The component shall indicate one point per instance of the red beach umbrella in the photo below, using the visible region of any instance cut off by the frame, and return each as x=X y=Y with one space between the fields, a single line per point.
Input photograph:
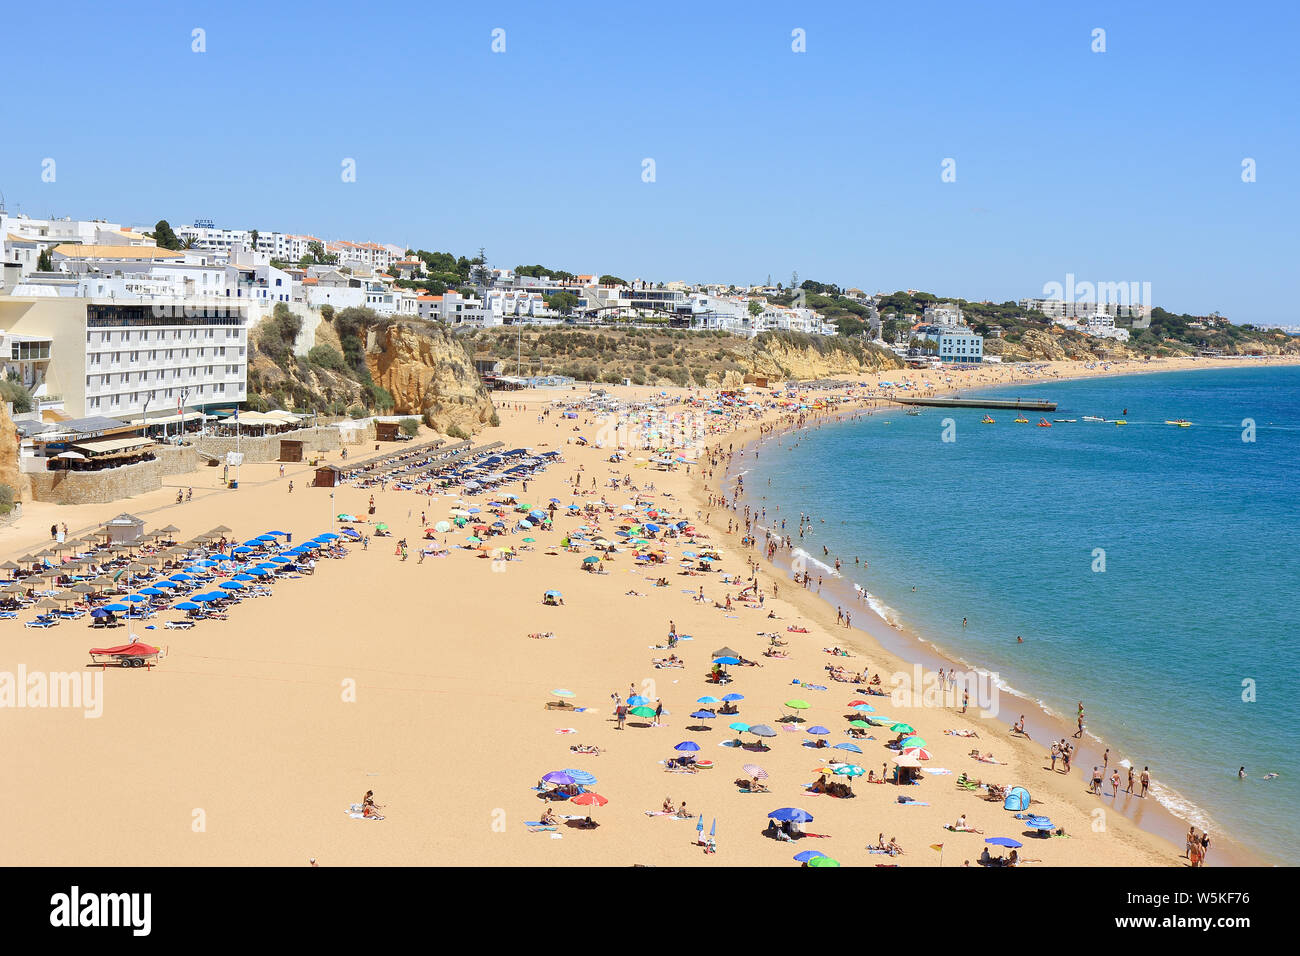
x=589 y=800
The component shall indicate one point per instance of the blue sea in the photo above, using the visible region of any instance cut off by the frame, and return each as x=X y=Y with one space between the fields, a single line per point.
x=1152 y=570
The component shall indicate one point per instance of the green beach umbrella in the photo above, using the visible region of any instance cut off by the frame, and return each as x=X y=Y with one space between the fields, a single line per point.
x=797 y=704
x=642 y=711
x=860 y=724
x=823 y=861
x=529 y=540
x=911 y=742
x=381 y=527
x=473 y=539
x=561 y=692
x=903 y=728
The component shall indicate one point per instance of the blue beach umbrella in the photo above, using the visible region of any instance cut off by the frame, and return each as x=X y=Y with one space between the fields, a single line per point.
x=807 y=855
x=637 y=701
x=704 y=715
x=581 y=777
x=189 y=606
x=245 y=577
x=852 y=748
x=707 y=700
x=791 y=815
x=231 y=585
x=732 y=698
x=135 y=598
x=117 y=608
x=687 y=745
x=558 y=777
x=726 y=660
x=1004 y=841
x=818 y=731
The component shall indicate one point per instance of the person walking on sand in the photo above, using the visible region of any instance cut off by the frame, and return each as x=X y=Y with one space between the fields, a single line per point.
x=1114 y=783
x=1096 y=780
x=620 y=714
x=1056 y=753
x=1145 y=780
x=1130 y=779
x=290 y=486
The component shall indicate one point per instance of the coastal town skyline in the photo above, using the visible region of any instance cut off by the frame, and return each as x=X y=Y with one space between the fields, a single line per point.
x=915 y=173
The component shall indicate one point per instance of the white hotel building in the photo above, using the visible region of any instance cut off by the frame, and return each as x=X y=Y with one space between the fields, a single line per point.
x=88 y=356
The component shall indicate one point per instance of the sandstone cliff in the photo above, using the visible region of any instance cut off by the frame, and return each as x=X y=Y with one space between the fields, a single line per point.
x=782 y=355
x=430 y=374
x=9 y=473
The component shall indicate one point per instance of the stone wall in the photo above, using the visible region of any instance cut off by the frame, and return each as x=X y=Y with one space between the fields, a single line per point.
x=99 y=487
x=267 y=447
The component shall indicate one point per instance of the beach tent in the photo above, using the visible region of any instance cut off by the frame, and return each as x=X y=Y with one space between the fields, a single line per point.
x=1017 y=799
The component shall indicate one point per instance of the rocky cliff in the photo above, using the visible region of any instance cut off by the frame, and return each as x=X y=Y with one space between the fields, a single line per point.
x=9 y=473
x=785 y=355
x=429 y=374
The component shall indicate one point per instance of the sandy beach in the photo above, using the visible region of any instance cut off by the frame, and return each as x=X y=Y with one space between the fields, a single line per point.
x=418 y=680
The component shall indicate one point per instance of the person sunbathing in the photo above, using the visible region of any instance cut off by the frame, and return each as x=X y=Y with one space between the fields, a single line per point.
x=549 y=818
x=668 y=805
x=585 y=749
x=819 y=785
x=683 y=813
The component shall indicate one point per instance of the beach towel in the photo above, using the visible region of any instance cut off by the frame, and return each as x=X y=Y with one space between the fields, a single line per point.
x=565 y=730
x=355 y=813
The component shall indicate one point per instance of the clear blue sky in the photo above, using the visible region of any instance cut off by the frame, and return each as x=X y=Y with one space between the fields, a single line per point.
x=1115 y=166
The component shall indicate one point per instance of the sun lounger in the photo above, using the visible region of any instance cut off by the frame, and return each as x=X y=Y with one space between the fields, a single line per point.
x=179 y=625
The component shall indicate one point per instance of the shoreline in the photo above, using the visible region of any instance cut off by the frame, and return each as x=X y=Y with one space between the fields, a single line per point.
x=445 y=674
x=914 y=648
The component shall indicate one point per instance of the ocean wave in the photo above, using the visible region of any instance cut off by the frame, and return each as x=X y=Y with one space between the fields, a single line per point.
x=800 y=553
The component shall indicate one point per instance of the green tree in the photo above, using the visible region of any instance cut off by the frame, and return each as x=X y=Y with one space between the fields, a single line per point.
x=43 y=262
x=612 y=280
x=755 y=308
x=562 y=302
x=163 y=235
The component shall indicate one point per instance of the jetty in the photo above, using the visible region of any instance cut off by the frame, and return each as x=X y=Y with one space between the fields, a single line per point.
x=1008 y=405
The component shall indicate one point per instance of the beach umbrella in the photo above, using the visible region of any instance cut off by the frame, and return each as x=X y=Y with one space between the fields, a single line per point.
x=687 y=746
x=581 y=777
x=903 y=728
x=797 y=704
x=561 y=692
x=642 y=711
x=755 y=771
x=231 y=585
x=864 y=708
x=732 y=698
x=807 y=856
x=153 y=591
x=591 y=560
x=181 y=577
x=244 y=577
x=912 y=741
x=1017 y=799
x=859 y=724
x=791 y=815
x=589 y=800
x=823 y=861
x=1040 y=824
x=117 y=608
x=704 y=715
x=529 y=540
x=442 y=527
x=726 y=660
x=189 y=606
x=762 y=730
x=920 y=753
x=1004 y=841
x=707 y=700
x=817 y=731
x=851 y=748
x=739 y=727
x=726 y=652
x=849 y=770
x=559 y=778
x=135 y=598
x=99 y=612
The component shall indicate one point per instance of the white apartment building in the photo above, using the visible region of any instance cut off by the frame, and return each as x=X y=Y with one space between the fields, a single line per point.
x=506 y=307
x=121 y=358
x=370 y=255
x=946 y=315
x=452 y=308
